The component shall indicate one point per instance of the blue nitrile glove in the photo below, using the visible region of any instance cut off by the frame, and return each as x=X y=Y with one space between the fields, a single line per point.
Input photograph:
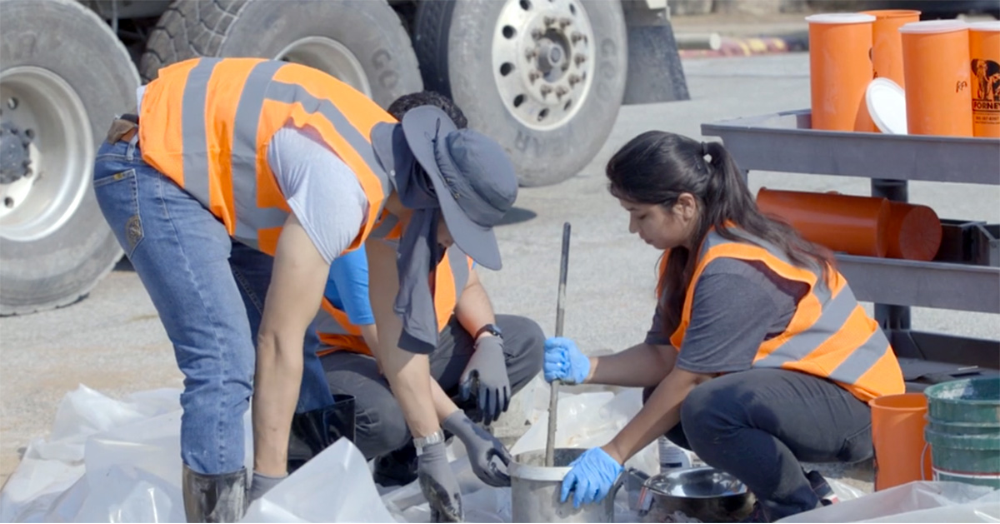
x=563 y=361
x=591 y=477
x=485 y=377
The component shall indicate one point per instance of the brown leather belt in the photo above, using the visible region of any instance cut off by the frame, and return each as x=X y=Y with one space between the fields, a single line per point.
x=122 y=130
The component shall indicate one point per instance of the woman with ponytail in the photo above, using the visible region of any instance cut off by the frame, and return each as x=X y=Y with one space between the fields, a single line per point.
x=759 y=355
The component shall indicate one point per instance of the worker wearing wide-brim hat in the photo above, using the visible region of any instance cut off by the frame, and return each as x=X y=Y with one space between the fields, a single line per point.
x=231 y=191
x=759 y=355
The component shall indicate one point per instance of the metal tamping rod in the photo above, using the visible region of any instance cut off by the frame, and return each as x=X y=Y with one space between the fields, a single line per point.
x=550 y=441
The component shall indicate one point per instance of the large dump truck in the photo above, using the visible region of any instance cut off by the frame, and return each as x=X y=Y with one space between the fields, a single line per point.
x=545 y=78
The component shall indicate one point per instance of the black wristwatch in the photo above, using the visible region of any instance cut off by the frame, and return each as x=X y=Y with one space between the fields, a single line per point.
x=492 y=329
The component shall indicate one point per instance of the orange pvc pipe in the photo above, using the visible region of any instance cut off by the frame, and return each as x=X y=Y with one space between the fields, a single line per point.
x=938 y=85
x=898 y=435
x=887 y=46
x=984 y=49
x=914 y=232
x=840 y=70
x=849 y=224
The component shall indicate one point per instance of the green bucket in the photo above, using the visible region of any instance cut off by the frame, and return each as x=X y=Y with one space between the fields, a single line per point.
x=963 y=430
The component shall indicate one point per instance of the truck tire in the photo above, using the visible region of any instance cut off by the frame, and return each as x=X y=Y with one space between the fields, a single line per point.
x=64 y=77
x=544 y=78
x=361 y=42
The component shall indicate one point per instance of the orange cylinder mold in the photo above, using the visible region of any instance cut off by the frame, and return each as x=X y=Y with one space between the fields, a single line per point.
x=840 y=69
x=850 y=224
x=938 y=86
x=913 y=231
x=901 y=454
x=984 y=51
x=887 y=46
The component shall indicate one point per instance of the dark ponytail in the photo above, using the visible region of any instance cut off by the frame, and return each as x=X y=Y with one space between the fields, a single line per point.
x=656 y=167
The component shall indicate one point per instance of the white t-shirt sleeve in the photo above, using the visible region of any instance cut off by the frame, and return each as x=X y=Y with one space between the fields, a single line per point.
x=321 y=189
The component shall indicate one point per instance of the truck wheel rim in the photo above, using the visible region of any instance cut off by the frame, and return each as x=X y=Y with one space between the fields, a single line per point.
x=331 y=57
x=44 y=105
x=543 y=60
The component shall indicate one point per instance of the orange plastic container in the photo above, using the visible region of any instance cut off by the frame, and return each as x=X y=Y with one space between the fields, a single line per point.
x=851 y=224
x=898 y=434
x=840 y=69
x=984 y=50
x=887 y=46
x=938 y=86
x=914 y=232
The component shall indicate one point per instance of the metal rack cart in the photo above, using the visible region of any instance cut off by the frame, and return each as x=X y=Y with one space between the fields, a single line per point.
x=964 y=276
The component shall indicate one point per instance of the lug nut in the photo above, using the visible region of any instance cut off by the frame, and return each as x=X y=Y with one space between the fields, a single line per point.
x=531 y=54
x=579 y=59
x=534 y=75
x=576 y=36
x=545 y=90
x=537 y=34
x=563 y=22
x=549 y=20
x=574 y=79
x=560 y=91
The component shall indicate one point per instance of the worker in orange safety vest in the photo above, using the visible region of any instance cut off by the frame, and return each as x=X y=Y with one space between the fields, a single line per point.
x=759 y=355
x=232 y=190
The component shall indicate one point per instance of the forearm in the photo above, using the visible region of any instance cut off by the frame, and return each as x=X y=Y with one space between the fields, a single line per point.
x=641 y=365
x=409 y=377
x=276 y=390
x=474 y=310
x=659 y=414
x=443 y=405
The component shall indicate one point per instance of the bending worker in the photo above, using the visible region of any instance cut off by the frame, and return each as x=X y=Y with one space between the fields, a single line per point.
x=244 y=179
x=759 y=354
x=481 y=360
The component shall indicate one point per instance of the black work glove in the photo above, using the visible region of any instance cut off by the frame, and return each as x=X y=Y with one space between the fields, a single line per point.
x=486 y=453
x=438 y=484
x=485 y=377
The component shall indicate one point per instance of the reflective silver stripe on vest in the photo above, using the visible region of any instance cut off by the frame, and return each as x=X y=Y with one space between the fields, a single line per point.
x=291 y=93
x=713 y=239
x=193 y=132
x=832 y=317
x=250 y=217
x=385 y=227
x=863 y=358
x=834 y=314
x=258 y=87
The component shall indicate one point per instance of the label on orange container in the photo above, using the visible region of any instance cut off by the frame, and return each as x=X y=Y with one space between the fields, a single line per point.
x=984 y=50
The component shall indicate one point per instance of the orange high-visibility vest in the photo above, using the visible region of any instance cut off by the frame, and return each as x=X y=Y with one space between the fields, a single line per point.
x=206 y=124
x=336 y=333
x=830 y=335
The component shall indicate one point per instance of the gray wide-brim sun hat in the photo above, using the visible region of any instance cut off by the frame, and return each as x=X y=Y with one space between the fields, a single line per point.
x=473 y=178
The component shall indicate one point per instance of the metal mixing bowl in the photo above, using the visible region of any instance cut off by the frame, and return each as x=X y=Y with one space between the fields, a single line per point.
x=704 y=493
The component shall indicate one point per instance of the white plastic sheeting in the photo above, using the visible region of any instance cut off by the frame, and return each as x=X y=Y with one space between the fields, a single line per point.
x=112 y=460
x=914 y=502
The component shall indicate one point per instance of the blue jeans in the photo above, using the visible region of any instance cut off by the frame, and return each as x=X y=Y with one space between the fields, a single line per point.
x=209 y=292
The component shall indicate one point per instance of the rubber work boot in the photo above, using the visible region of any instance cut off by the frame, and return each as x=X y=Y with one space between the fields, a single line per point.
x=396 y=468
x=314 y=431
x=214 y=498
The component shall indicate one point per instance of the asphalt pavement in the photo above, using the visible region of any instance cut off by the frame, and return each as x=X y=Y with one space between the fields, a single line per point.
x=113 y=342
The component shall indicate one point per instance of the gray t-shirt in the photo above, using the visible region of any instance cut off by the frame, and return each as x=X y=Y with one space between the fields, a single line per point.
x=321 y=189
x=737 y=305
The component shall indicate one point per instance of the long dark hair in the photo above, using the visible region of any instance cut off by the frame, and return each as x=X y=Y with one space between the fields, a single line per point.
x=656 y=167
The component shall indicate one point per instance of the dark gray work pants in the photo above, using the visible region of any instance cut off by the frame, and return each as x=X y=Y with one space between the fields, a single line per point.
x=380 y=424
x=758 y=424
